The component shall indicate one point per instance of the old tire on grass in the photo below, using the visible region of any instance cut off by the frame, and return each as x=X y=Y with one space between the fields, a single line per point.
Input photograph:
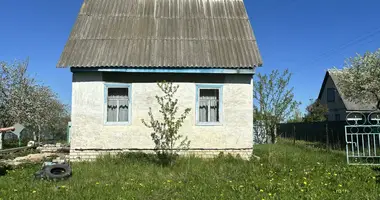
x=59 y=171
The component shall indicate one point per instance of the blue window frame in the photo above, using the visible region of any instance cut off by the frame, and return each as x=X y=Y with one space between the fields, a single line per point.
x=117 y=103
x=209 y=104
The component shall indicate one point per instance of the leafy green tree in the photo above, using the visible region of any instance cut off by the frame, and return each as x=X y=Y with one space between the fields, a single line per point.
x=165 y=131
x=24 y=100
x=316 y=112
x=274 y=100
x=359 y=80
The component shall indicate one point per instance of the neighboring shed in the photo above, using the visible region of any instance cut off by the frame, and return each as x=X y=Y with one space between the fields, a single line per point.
x=339 y=105
x=119 y=49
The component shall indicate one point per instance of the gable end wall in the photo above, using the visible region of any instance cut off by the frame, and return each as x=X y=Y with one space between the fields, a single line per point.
x=336 y=107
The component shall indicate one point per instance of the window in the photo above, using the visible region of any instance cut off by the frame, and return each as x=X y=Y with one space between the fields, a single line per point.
x=337 y=117
x=209 y=102
x=118 y=103
x=330 y=94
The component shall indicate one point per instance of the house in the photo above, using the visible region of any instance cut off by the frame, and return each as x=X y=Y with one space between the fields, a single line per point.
x=119 y=49
x=339 y=105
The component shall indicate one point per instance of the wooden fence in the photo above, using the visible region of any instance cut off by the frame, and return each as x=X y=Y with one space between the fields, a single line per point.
x=329 y=134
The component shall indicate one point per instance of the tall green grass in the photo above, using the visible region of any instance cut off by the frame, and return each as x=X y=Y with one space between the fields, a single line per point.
x=285 y=171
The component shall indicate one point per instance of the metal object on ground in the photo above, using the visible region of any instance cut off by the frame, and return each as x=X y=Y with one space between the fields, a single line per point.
x=362 y=134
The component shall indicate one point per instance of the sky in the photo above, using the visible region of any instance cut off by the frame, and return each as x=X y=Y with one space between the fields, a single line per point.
x=305 y=36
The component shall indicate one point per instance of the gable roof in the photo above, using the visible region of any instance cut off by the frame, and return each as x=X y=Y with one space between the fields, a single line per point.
x=162 y=33
x=350 y=105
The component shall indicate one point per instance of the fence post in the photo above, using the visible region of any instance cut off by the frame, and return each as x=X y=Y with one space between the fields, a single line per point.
x=333 y=142
x=306 y=134
x=327 y=135
x=1 y=140
x=286 y=135
x=294 y=134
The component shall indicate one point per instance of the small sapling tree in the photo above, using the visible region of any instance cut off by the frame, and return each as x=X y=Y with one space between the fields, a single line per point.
x=168 y=142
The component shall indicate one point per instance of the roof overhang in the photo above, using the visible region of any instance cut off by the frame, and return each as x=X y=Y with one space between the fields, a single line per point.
x=166 y=70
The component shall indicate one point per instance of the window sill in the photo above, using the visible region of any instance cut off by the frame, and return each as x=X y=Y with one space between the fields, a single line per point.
x=209 y=124
x=117 y=123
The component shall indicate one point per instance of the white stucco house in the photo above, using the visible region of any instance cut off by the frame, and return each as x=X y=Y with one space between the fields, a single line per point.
x=119 y=49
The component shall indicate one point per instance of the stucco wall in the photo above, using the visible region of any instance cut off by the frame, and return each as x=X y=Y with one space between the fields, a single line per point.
x=336 y=107
x=89 y=131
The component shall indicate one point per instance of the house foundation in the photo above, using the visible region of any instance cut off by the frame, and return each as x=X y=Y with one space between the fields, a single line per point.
x=92 y=154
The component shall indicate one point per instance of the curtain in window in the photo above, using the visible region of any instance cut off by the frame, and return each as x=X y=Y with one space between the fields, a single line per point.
x=203 y=110
x=123 y=110
x=112 y=110
x=209 y=105
x=214 y=109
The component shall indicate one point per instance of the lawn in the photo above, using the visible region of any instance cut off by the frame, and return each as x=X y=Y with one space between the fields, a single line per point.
x=285 y=171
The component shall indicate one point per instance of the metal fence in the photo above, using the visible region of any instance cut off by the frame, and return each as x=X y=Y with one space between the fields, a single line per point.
x=363 y=138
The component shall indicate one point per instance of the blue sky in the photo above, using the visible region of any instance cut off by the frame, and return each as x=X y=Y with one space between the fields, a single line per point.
x=305 y=36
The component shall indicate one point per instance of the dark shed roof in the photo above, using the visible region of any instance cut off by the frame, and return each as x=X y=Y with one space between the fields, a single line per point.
x=162 y=33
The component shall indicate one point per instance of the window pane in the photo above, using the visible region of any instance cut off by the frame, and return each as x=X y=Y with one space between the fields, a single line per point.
x=112 y=110
x=203 y=111
x=117 y=92
x=209 y=93
x=330 y=94
x=123 y=110
x=214 y=110
x=337 y=117
x=209 y=105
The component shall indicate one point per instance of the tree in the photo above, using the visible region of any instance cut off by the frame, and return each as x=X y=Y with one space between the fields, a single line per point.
x=14 y=85
x=165 y=131
x=24 y=100
x=316 y=112
x=296 y=117
x=47 y=115
x=359 y=80
x=275 y=101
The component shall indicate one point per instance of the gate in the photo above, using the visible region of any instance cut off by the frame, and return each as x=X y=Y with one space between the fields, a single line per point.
x=363 y=138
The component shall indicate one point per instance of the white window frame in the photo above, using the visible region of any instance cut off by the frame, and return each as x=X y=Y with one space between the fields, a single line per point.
x=117 y=85
x=197 y=97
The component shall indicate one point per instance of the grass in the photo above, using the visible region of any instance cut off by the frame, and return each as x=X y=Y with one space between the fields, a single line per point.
x=285 y=171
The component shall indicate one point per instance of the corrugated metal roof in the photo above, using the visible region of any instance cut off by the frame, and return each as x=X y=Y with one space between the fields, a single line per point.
x=162 y=33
